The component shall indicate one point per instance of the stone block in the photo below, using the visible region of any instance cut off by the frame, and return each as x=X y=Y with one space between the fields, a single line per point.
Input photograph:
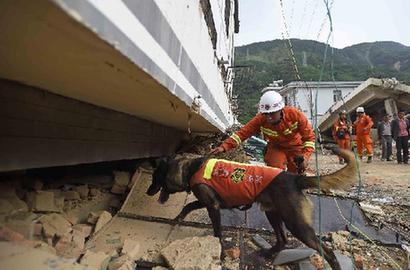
x=44 y=202
x=55 y=224
x=85 y=229
x=98 y=260
x=103 y=219
x=63 y=244
x=78 y=239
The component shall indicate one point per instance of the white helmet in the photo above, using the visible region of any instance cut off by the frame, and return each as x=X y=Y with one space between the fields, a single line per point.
x=271 y=101
x=360 y=109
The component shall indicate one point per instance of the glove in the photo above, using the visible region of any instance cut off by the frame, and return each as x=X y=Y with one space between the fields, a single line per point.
x=217 y=150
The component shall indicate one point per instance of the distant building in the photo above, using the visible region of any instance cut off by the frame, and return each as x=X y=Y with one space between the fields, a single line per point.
x=303 y=94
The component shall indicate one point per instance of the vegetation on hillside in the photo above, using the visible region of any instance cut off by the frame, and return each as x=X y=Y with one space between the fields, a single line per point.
x=270 y=60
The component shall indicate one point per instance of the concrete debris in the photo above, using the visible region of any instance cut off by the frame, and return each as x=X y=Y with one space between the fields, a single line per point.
x=84 y=229
x=78 y=239
x=93 y=217
x=55 y=224
x=121 y=180
x=7 y=234
x=338 y=241
x=193 y=253
x=121 y=263
x=5 y=207
x=22 y=222
x=231 y=264
x=98 y=260
x=372 y=209
x=130 y=248
x=43 y=201
x=83 y=191
x=317 y=261
x=103 y=219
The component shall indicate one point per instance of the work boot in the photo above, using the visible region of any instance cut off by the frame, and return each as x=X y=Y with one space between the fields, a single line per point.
x=369 y=159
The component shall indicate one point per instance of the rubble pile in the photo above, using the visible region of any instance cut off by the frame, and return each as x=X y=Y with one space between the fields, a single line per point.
x=60 y=216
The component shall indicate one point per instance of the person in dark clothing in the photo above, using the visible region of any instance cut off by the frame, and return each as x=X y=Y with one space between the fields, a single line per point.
x=384 y=131
x=400 y=132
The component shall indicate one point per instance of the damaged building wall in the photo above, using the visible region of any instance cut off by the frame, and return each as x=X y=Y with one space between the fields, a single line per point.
x=41 y=129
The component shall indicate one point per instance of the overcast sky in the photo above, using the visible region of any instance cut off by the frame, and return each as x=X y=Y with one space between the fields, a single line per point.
x=354 y=21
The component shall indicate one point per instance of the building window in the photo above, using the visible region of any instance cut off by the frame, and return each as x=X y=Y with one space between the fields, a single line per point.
x=337 y=95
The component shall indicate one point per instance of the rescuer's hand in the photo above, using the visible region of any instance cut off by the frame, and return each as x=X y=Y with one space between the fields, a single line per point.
x=217 y=150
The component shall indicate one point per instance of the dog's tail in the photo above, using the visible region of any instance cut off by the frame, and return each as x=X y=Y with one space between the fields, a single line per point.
x=340 y=179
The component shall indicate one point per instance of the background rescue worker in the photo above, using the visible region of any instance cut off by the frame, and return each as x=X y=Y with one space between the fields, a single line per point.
x=341 y=132
x=401 y=132
x=362 y=126
x=290 y=136
x=384 y=131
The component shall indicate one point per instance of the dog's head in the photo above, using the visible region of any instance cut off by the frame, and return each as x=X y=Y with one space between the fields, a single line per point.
x=171 y=175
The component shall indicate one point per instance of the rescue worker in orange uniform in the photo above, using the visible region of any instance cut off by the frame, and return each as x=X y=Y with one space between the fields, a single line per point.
x=290 y=137
x=341 y=132
x=362 y=126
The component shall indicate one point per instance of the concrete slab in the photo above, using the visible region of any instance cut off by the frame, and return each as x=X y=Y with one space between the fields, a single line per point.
x=153 y=236
x=138 y=203
x=293 y=255
x=17 y=257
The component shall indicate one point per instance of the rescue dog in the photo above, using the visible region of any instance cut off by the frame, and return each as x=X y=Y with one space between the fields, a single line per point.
x=281 y=198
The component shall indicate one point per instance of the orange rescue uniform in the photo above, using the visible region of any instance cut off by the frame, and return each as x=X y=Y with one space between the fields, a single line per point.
x=236 y=183
x=292 y=137
x=341 y=126
x=363 y=125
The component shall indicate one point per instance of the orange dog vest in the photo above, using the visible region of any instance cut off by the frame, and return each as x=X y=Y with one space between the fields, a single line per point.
x=236 y=183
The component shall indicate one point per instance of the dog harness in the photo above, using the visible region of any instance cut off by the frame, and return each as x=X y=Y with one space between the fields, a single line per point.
x=236 y=183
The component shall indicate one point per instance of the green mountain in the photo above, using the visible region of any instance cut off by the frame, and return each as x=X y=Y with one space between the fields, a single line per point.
x=270 y=60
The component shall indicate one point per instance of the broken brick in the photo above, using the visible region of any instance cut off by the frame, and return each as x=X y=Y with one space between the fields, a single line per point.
x=234 y=252
x=98 y=260
x=358 y=261
x=55 y=224
x=63 y=244
x=85 y=229
x=93 y=217
x=43 y=201
x=103 y=219
x=7 y=234
x=78 y=239
x=130 y=248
